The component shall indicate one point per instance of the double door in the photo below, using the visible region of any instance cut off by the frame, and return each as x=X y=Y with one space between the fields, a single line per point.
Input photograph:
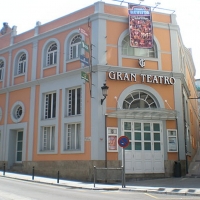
x=144 y=153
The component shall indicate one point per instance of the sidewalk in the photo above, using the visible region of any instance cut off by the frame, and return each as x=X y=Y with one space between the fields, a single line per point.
x=180 y=186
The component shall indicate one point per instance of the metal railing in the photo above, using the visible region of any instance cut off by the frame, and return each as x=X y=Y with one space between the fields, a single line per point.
x=109 y=174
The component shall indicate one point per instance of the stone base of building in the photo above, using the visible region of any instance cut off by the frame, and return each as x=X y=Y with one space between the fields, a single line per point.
x=83 y=170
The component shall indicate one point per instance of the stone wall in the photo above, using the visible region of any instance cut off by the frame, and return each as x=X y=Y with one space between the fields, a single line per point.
x=83 y=170
x=71 y=170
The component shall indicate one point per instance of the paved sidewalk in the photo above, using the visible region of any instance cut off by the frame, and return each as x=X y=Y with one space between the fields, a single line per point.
x=179 y=186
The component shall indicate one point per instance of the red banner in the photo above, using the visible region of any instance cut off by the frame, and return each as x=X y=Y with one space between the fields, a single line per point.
x=140 y=26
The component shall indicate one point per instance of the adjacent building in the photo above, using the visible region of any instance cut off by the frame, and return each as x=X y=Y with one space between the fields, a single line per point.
x=53 y=116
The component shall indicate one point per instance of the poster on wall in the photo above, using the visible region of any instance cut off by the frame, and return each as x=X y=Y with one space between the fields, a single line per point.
x=172 y=144
x=140 y=26
x=172 y=140
x=112 y=139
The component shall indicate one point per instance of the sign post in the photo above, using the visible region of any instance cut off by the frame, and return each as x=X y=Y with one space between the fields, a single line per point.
x=123 y=142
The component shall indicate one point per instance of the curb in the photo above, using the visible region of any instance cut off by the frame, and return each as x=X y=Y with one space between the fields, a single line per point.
x=157 y=191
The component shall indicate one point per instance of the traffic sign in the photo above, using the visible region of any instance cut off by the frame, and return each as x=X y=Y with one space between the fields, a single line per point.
x=85 y=46
x=84 y=60
x=84 y=76
x=84 y=32
x=123 y=141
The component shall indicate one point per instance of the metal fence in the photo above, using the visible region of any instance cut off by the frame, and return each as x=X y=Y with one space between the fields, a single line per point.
x=109 y=174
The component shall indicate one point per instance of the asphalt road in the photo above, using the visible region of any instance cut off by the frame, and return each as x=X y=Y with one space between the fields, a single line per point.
x=25 y=190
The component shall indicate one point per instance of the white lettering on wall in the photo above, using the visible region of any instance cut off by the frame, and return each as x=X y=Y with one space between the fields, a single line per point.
x=133 y=76
x=119 y=75
x=111 y=75
x=126 y=77
x=145 y=78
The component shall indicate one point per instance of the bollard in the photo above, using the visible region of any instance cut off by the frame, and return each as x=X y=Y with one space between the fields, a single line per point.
x=58 y=177
x=94 y=175
x=33 y=174
x=4 y=169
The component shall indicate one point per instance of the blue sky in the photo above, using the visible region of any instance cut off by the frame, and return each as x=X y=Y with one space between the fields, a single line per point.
x=25 y=13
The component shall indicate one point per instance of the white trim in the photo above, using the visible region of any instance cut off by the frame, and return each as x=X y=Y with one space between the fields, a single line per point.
x=13 y=109
x=114 y=146
x=67 y=47
x=174 y=139
x=120 y=56
x=44 y=56
x=15 y=65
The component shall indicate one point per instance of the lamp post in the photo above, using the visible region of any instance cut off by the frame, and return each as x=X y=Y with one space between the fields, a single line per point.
x=104 y=89
x=104 y=92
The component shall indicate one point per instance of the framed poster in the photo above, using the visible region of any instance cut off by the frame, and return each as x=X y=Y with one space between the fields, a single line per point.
x=112 y=139
x=172 y=140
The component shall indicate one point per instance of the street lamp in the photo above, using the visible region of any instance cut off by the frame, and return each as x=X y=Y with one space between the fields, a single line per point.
x=104 y=92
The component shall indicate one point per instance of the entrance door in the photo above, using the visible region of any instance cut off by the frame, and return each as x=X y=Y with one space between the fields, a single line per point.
x=19 y=145
x=145 y=151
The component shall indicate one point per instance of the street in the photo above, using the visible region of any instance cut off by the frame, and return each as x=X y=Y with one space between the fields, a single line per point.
x=26 y=190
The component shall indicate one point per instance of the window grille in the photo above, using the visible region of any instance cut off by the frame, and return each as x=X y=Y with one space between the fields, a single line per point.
x=50 y=105
x=52 y=55
x=22 y=64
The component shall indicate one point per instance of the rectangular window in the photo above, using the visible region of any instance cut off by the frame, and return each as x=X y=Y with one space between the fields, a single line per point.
x=73 y=136
x=51 y=58
x=21 y=67
x=172 y=140
x=48 y=138
x=50 y=105
x=75 y=51
x=1 y=73
x=74 y=101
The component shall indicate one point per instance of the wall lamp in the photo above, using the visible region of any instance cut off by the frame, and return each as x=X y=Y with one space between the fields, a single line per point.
x=104 y=92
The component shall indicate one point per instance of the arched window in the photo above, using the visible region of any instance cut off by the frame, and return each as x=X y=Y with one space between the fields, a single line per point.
x=52 y=54
x=139 y=99
x=75 y=47
x=21 y=64
x=127 y=50
x=1 y=69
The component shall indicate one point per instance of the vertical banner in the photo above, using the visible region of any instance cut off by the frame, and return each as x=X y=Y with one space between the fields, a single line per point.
x=140 y=26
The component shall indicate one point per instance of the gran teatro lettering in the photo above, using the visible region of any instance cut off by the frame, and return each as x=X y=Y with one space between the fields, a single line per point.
x=145 y=78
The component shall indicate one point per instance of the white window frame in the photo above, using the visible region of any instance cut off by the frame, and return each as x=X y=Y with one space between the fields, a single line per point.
x=75 y=46
x=52 y=53
x=73 y=104
x=112 y=139
x=172 y=141
x=46 y=106
x=72 y=141
x=144 y=100
x=17 y=111
x=21 y=65
x=1 y=69
x=48 y=132
x=138 y=52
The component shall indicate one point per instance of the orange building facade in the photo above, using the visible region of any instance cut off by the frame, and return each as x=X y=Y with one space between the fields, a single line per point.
x=53 y=120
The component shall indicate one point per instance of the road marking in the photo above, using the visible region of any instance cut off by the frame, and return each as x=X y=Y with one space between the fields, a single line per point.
x=10 y=196
x=151 y=196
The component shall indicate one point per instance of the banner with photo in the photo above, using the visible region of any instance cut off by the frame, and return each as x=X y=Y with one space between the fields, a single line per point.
x=140 y=26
